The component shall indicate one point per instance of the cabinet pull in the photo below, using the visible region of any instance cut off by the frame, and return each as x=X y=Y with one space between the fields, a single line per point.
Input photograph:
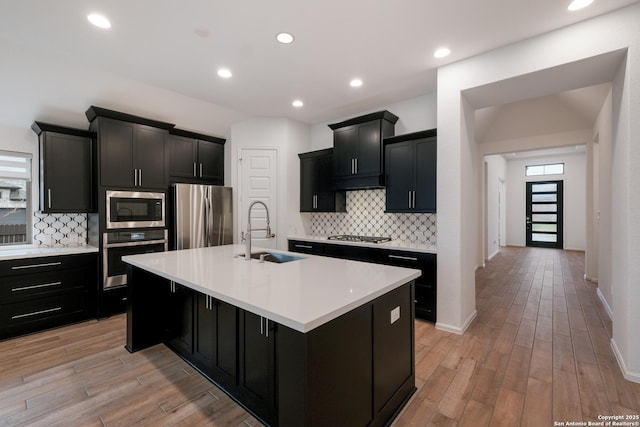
x=407 y=258
x=44 y=285
x=414 y=199
x=35 y=313
x=356 y=162
x=135 y=177
x=140 y=177
x=409 y=195
x=49 y=197
x=200 y=170
x=195 y=175
x=46 y=264
x=261 y=325
x=266 y=326
x=303 y=246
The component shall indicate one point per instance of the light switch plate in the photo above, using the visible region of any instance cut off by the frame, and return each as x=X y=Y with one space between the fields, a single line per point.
x=395 y=314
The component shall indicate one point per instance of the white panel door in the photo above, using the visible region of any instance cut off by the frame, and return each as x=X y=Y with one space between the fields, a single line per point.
x=258 y=181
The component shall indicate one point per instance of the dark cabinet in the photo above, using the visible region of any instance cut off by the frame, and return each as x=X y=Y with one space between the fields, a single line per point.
x=131 y=149
x=179 y=319
x=316 y=183
x=214 y=338
x=257 y=379
x=196 y=158
x=410 y=172
x=306 y=247
x=66 y=168
x=41 y=293
x=358 y=150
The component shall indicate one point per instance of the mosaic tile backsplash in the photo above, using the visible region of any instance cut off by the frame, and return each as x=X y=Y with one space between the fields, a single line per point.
x=365 y=216
x=59 y=229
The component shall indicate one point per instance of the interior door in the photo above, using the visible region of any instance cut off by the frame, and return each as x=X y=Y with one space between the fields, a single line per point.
x=544 y=226
x=259 y=182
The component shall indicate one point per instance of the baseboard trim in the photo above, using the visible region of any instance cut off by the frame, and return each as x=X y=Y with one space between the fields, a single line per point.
x=604 y=302
x=493 y=254
x=455 y=329
x=628 y=375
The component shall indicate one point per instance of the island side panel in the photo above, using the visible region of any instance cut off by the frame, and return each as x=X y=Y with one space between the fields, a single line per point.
x=146 y=303
x=337 y=373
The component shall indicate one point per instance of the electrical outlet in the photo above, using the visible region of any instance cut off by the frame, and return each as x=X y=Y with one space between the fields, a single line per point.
x=395 y=315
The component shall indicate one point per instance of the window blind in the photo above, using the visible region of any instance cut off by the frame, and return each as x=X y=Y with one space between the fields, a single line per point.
x=15 y=165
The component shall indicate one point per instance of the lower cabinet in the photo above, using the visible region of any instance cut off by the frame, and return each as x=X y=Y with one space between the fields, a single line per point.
x=180 y=316
x=42 y=293
x=257 y=376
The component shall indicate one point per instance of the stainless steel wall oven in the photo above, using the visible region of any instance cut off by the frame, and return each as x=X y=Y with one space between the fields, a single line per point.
x=116 y=244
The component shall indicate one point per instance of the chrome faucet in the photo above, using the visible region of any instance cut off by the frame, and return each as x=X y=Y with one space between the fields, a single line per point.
x=247 y=235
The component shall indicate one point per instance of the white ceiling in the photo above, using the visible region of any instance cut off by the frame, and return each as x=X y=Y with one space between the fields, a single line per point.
x=179 y=45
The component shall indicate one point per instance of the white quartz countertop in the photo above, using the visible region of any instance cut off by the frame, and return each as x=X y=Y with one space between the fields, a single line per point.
x=301 y=294
x=394 y=244
x=37 y=251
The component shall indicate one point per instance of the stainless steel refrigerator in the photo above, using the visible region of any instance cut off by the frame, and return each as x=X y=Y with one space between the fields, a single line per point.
x=202 y=216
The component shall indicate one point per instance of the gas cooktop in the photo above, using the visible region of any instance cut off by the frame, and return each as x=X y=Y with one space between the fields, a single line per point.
x=365 y=239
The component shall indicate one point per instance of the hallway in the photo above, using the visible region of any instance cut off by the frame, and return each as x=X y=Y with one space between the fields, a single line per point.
x=538 y=352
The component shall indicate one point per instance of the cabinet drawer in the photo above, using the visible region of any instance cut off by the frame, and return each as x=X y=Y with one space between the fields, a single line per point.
x=26 y=286
x=42 y=313
x=306 y=247
x=42 y=264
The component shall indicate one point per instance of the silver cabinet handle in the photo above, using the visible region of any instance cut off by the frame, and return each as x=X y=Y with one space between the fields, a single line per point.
x=266 y=326
x=413 y=199
x=200 y=170
x=261 y=325
x=194 y=170
x=44 y=285
x=140 y=177
x=407 y=258
x=135 y=177
x=409 y=195
x=303 y=246
x=46 y=264
x=356 y=162
x=35 y=313
x=49 y=197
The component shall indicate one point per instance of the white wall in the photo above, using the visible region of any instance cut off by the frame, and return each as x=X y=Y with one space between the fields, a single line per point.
x=574 y=178
x=287 y=137
x=572 y=57
x=496 y=172
x=415 y=114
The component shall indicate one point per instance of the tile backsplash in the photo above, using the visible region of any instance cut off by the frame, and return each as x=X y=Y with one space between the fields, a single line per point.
x=365 y=216
x=59 y=229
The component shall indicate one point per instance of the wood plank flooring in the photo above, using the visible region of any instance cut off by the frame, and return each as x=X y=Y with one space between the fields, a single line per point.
x=538 y=352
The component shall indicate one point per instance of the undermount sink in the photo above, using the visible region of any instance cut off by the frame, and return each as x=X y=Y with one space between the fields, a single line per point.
x=274 y=257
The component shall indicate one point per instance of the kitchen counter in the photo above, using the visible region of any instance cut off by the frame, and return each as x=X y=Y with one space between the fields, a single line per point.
x=23 y=252
x=301 y=294
x=314 y=342
x=394 y=244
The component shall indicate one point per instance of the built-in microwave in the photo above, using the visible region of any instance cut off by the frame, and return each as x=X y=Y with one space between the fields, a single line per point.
x=135 y=209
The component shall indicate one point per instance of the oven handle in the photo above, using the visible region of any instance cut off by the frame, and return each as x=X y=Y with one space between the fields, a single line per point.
x=138 y=243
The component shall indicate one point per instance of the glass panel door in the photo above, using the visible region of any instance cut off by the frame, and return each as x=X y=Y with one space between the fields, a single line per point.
x=544 y=214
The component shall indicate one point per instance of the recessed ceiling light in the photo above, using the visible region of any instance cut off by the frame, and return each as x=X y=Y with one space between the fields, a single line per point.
x=579 y=4
x=225 y=73
x=99 y=20
x=442 y=52
x=284 y=38
x=355 y=83
x=297 y=103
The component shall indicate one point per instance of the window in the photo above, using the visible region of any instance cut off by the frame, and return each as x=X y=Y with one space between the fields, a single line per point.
x=549 y=169
x=15 y=198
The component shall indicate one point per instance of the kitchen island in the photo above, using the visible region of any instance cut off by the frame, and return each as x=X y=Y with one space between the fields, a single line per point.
x=311 y=342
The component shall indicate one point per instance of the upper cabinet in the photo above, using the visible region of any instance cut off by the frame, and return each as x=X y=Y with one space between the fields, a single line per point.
x=66 y=168
x=410 y=169
x=316 y=186
x=131 y=149
x=358 y=150
x=195 y=158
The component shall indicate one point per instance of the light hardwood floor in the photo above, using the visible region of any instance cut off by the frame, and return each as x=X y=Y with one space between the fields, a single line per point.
x=538 y=352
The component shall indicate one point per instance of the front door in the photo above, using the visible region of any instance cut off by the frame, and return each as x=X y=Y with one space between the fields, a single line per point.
x=544 y=214
x=259 y=182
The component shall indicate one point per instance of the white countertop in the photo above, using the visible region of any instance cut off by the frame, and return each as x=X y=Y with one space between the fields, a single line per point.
x=23 y=252
x=302 y=294
x=394 y=244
